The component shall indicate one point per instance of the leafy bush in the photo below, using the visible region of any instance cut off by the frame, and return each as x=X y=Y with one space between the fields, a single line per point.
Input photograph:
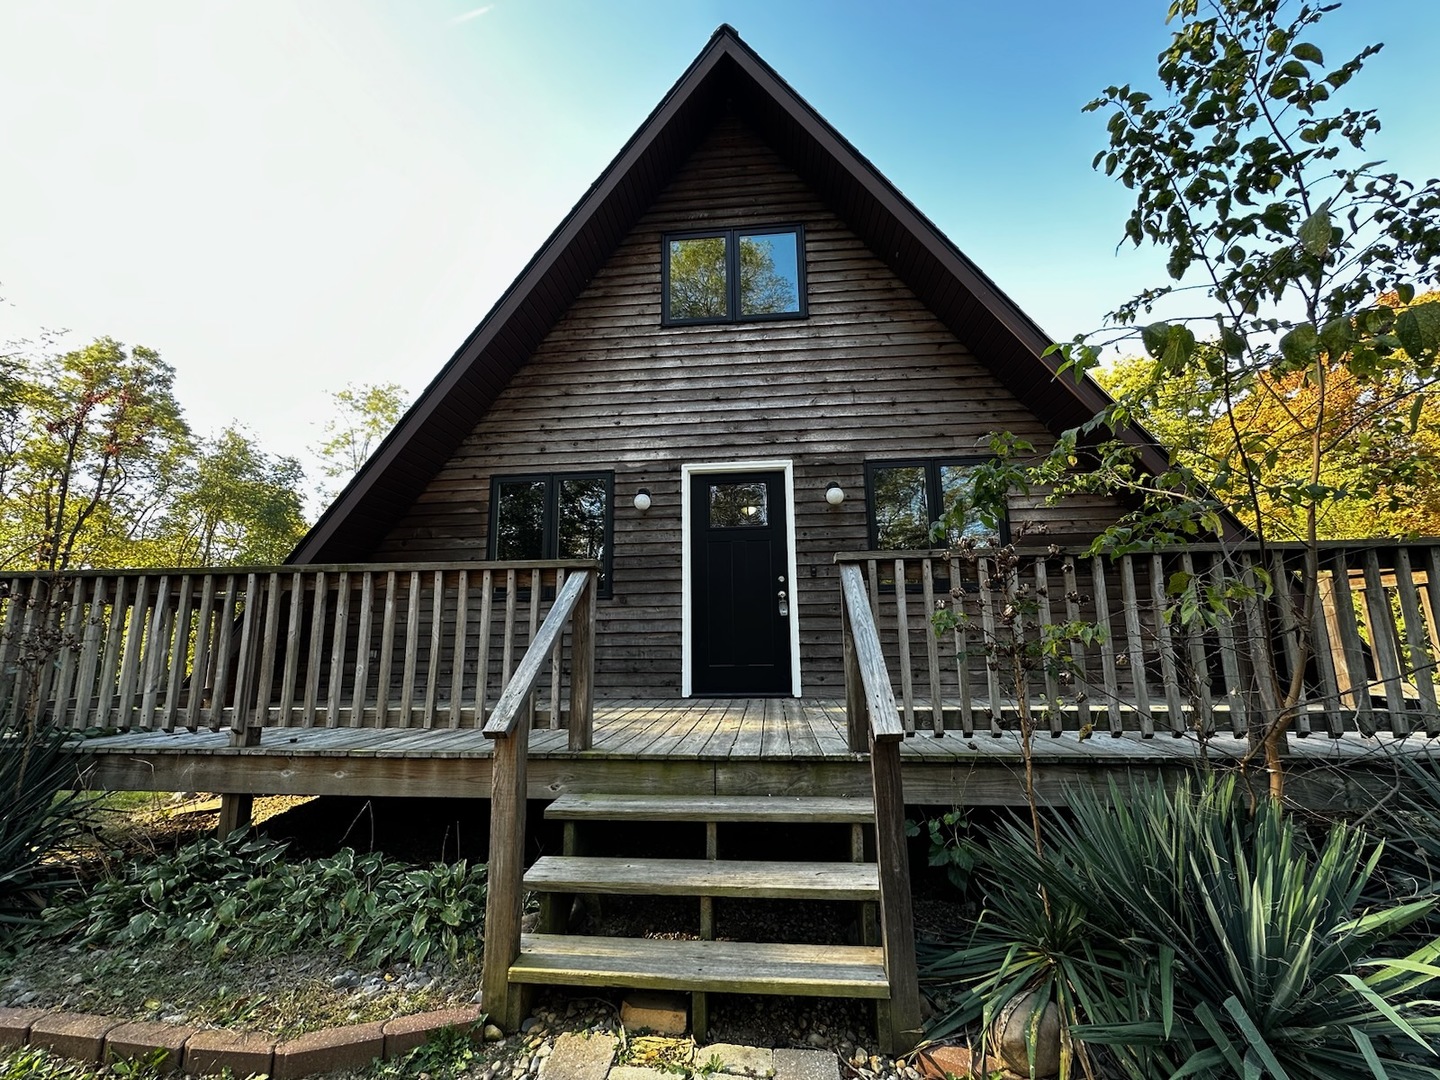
x=1183 y=936
x=949 y=844
x=241 y=896
x=42 y=814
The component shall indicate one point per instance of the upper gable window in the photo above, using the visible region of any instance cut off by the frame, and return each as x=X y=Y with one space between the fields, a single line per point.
x=733 y=275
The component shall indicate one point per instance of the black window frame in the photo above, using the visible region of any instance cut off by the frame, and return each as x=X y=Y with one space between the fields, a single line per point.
x=732 y=275
x=934 y=493
x=550 y=519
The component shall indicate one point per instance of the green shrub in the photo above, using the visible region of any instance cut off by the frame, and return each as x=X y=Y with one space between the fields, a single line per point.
x=241 y=896
x=1182 y=935
x=42 y=814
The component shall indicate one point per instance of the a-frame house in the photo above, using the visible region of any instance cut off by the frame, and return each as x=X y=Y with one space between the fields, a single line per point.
x=656 y=544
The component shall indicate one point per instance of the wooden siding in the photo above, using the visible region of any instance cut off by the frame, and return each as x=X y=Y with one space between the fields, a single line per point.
x=871 y=374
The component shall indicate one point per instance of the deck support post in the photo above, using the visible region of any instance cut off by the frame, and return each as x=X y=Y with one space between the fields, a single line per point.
x=504 y=896
x=235 y=811
x=898 y=1019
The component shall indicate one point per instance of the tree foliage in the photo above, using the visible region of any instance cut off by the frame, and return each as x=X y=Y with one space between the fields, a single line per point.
x=364 y=414
x=98 y=467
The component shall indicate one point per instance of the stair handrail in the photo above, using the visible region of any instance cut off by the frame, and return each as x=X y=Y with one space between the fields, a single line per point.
x=509 y=727
x=873 y=719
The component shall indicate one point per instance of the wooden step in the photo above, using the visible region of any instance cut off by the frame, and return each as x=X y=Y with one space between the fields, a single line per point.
x=705 y=877
x=726 y=967
x=766 y=808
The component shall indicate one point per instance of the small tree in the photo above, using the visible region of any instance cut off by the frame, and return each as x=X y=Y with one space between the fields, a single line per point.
x=1282 y=241
x=365 y=414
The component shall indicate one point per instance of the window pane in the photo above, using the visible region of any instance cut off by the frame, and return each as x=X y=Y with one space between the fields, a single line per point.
x=697 y=278
x=520 y=519
x=738 y=506
x=769 y=273
x=958 y=490
x=582 y=518
x=902 y=521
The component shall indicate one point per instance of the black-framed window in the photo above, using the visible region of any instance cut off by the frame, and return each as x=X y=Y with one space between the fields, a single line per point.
x=554 y=516
x=907 y=499
x=733 y=275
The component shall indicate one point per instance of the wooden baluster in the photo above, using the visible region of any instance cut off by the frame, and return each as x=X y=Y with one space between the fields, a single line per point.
x=482 y=649
x=1052 y=683
x=457 y=653
x=363 y=636
x=582 y=666
x=932 y=648
x=857 y=715
x=989 y=643
x=130 y=663
x=1230 y=659
x=1204 y=724
x=507 y=654
x=412 y=633
x=872 y=567
x=1169 y=670
x=245 y=690
x=1284 y=593
x=556 y=662
x=1422 y=668
x=387 y=649
x=962 y=658
x=71 y=634
x=108 y=683
x=179 y=651
x=269 y=640
x=534 y=624
x=201 y=684
x=292 y=650
x=10 y=635
x=437 y=642
x=1383 y=644
x=90 y=654
x=902 y=631
x=336 y=684
x=1077 y=648
x=1259 y=649
x=314 y=661
x=1341 y=611
x=1327 y=649
x=157 y=646
x=1108 y=673
x=1135 y=646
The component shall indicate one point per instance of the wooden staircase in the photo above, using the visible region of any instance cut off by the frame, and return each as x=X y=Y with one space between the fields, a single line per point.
x=703 y=966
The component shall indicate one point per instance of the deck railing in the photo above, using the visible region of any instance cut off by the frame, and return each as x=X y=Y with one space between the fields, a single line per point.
x=401 y=645
x=874 y=726
x=1367 y=663
x=509 y=727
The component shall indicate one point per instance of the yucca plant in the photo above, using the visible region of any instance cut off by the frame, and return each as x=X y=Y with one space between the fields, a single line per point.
x=1190 y=937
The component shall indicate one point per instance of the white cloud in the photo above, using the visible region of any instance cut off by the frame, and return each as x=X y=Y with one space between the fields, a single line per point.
x=467 y=16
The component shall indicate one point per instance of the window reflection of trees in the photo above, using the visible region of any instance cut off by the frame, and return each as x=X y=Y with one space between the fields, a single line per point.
x=738 y=506
x=699 y=276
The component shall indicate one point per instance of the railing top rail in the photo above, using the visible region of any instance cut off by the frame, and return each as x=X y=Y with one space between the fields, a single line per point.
x=879 y=694
x=568 y=565
x=1248 y=547
x=507 y=710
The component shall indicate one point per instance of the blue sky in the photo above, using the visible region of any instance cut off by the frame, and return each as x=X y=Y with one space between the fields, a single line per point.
x=284 y=197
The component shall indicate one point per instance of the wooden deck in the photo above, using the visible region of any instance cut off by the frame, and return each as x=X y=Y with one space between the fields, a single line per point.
x=755 y=746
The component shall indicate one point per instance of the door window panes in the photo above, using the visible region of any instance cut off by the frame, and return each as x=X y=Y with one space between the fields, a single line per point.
x=738 y=506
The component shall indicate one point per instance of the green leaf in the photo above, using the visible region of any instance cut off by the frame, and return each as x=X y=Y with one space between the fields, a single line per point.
x=1406 y=292
x=1408 y=330
x=1298 y=346
x=1155 y=337
x=1315 y=232
x=1336 y=336
x=1308 y=52
x=1232 y=342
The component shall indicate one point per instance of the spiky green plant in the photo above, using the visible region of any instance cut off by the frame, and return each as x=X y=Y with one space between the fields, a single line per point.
x=1186 y=936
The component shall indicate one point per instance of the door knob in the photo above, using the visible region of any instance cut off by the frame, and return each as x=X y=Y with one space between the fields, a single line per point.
x=784 y=605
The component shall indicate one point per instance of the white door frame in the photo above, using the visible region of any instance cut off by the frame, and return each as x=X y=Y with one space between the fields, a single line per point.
x=687 y=605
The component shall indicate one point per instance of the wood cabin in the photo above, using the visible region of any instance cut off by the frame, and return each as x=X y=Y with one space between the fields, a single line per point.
x=655 y=544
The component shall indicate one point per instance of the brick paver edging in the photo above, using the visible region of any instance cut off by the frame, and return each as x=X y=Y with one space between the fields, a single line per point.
x=100 y=1039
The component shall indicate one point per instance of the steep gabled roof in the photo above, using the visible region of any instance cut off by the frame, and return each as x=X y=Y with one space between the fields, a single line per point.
x=727 y=75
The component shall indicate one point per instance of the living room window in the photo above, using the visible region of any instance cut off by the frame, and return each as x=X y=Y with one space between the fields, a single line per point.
x=553 y=516
x=734 y=275
x=907 y=499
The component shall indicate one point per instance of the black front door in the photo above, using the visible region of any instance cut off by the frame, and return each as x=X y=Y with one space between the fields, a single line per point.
x=741 y=593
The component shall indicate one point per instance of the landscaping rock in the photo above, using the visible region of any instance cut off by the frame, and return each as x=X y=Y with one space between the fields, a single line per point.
x=74 y=1035
x=806 y=1065
x=15 y=1026
x=405 y=1033
x=580 y=1057
x=1011 y=1036
x=143 y=1037
x=242 y=1052
x=665 y=1014
x=737 y=1060
x=351 y=1047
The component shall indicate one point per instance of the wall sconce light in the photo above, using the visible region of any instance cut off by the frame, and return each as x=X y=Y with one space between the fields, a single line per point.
x=642 y=500
x=834 y=494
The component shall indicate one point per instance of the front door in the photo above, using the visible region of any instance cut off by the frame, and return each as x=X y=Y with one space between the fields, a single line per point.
x=740 y=592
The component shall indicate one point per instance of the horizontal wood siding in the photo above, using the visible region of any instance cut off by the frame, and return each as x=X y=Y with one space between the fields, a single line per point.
x=870 y=374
